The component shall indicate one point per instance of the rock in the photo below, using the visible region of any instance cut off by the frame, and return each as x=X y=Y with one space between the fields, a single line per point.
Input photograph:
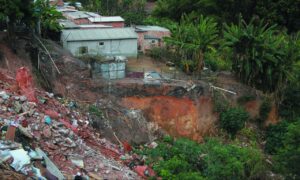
x=47 y=120
x=23 y=98
x=51 y=113
x=4 y=95
x=47 y=132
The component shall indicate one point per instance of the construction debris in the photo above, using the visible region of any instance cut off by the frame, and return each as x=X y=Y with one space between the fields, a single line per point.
x=55 y=138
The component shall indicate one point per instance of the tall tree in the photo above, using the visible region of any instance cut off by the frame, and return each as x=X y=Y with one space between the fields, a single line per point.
x=133 y=11
x=47 y=15
x=285 y=13
x=16 y=11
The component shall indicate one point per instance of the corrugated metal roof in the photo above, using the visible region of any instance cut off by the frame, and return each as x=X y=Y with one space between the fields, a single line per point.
x=151 y=28
x=65 y=10
x=67 y=24
x=94 y=26
x=98 y=34
x=77 y=15
x=107 y=19
x=91 y=14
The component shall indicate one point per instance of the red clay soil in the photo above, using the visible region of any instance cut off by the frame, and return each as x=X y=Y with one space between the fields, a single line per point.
x=252 y=107
x=272 y=117
x=11 y=61
x=180 y=117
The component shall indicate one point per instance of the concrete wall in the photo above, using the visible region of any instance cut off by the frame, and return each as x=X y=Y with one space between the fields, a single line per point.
x=110 y=70
x=122 y=47
x=145 y=43
x=150 y=43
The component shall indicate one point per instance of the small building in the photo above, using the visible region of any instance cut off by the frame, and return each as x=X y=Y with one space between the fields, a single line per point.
x=67 y=24
x=58 y=3
x=151 y=36
x=102 y=42
x=78 y=17
x=93 y=26
x=66 y=9
x=110 y=68
x=114 y=21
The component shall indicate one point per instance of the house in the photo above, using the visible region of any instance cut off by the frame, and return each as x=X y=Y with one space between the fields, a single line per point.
x=93 y=26
x=110 y=68
x=78 y=17
x=151 y=36
x=67 y=24
x=82 y=17
x=104 y=41
x=59 y=3
x=114 y=21
x=66 y=9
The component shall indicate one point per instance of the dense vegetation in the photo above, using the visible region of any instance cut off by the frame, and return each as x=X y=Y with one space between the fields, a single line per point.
x=233 y=120
x=185 y=159
x=37 y=15
x=282 y=12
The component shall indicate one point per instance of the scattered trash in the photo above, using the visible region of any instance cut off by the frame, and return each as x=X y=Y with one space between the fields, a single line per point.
x=78 y=162
x=57 y=140
x=10 y=134
x=153 y=145
x=144 y=171
x=47 y=120
x=127 y=147
x=4 y=95
x=20 y=159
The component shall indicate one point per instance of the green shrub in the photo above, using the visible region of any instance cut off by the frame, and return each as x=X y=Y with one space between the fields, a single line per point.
x=290 y=106
x=288 y=157
x=275 y=136
x=265 y=109
x=233 y=120
x=95 y=111
x=229 y=161
x=221 y=104
x=170 y=168
x=1 y=55
x=244 y=99
x=249 y=134
x=215 y=61
x=185 y=159
x=159 y=53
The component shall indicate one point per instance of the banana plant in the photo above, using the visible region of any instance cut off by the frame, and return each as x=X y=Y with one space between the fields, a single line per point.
x=193 y=37
x=263 y=57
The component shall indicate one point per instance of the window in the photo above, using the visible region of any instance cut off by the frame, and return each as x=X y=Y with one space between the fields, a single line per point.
x=83 y=50
x=101 y=43
x=153 y=41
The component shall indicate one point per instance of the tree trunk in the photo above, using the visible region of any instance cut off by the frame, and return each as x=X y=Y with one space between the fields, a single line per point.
x=11 y=35
x=200 y=61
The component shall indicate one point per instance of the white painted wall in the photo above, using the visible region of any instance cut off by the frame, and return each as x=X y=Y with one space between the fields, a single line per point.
x=122 y=47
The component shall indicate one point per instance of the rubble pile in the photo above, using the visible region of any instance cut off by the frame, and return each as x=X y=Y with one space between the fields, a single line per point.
x=48 y=138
